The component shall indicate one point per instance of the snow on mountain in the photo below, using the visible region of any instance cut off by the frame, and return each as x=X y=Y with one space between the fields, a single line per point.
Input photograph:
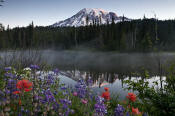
x=89 y=16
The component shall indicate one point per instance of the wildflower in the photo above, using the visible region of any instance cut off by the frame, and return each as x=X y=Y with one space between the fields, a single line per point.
x=56 y=71
x=106 y=88
x=50 y=79
x=127 y=114
x=34 y=67
x=63 y=87
x=119 y=110
x=7 y=69
x=75 y=94
x=100 y=107
x=65 y=106
x=55 y=106
x=135 y=111
x=23 y=85
x=84 y=101
x=10 y=75
x=16 y=92
x=27 y=69
x=106 y=94
x=65 y=101
x=89 y=82
x=81 y=88
x=49 y=96
x=27 y=90
x=131 y=97
x=11 y=85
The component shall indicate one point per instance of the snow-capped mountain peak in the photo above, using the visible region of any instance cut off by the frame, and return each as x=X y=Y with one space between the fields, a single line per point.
x=90 y=16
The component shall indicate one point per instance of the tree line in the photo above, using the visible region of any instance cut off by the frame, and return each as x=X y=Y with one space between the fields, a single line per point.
x=142 y=35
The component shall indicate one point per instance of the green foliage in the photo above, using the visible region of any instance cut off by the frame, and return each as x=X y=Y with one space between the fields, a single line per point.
x=157 y=100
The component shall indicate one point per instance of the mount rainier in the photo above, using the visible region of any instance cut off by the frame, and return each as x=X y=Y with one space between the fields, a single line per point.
x=89 y=16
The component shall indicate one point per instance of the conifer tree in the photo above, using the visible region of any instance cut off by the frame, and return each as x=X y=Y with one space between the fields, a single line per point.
x=87 y=20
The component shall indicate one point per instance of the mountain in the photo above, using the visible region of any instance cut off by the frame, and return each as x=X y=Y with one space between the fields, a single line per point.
x=88 y=16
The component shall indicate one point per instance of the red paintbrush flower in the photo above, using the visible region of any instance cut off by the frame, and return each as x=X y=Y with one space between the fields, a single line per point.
x=106 y=94
x=27 y=90
x=16 y=92
x=131 y=97
x=23 y=85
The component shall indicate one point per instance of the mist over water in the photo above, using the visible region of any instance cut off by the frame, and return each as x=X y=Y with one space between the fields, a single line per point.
x=121 y=63
x=102 y=62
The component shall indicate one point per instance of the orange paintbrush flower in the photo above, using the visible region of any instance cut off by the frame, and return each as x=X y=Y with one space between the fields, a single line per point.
x=135 y=111
x=106 y=94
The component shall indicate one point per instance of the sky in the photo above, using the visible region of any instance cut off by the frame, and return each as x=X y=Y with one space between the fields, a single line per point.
x=46 y=12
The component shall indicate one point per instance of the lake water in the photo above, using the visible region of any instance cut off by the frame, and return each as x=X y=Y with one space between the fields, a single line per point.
x=112 y=81
x=106 y=69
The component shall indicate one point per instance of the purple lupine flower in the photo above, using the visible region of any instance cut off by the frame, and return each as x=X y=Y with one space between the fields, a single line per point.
x=65 y=106
x=7 y=69
x=56 y=71
x=10 y=75
x=7 y=91
x=50 y=79
x=63 y=87
x=127 y=114
x=20 y=114
x=89 y=82
x=65 y=93
x=119 y=110
x=11 y=86
x=81 y=88
x=100 y=99
x=56 y=106
x=49 y=97
x=65 y=103
x=100 y=107
x=34 y=66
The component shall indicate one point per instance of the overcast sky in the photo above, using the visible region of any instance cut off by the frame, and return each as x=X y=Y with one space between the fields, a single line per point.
x=47 y=12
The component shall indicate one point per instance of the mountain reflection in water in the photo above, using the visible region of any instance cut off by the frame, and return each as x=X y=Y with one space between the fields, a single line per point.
x=100 y=80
